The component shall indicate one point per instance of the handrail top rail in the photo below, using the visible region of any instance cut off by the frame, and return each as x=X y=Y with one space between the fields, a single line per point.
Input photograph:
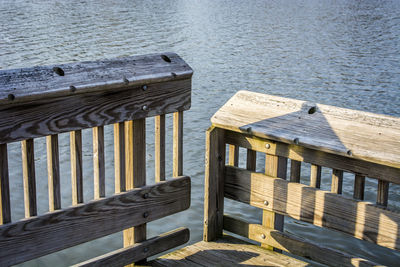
x=27 y=84
x=351 y=133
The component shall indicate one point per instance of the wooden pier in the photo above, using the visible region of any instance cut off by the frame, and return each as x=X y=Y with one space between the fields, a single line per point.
x=286 y=133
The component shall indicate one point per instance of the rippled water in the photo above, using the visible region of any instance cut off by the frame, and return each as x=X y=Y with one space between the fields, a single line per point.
x=343 y=53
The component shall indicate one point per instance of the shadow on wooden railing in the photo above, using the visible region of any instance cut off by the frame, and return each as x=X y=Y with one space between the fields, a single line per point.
x=46 y=101
x=361 y=143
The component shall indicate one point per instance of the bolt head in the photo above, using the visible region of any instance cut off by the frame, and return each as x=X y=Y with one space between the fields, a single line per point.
x=146 y=195
x=266 y=202
x=263 y=236
x=146 y=249
x=144 y=87
x=144 y=107
x=267 y=146
x=146 y=214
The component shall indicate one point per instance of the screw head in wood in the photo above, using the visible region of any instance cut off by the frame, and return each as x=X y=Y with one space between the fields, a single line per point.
x=266 y=202
x=72 y=88
x=144 y=87
x=146 y=249
x=263 y=236
x=146 y=195
x=145 y=215
x=349 y=152
x=267 y=146
x=144 y=107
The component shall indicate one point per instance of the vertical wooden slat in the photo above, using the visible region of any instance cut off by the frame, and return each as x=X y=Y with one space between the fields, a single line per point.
x=160 y=148
x=383 y=193
x=5 y=212
x=53 y=172
x=277 y=167
x=28 y=168
x=251 y=160
x=295 y=168
x=178 y=144
x=315 y=177
x=359 y=185
x=135 y=156
x=75 y=138
x=214 y=184
x=98 y=162
x=233 y=155
x=337 y=181
x=119 y=157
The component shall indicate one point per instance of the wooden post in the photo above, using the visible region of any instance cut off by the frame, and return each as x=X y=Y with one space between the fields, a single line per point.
x=160 y=148
x=295 y=168
x=214 y=184
x=251 y=160
x=5 y=212
x=28 y=168
x=315 y=177
x=98 y=162
x=337 y=181
x=178 y=144
x=233 y=155
x=383 y=193
x=119 y=157
x=135 y=156
x=75 y=138
x=277 y=167
x=53 y=172
x=359 y=185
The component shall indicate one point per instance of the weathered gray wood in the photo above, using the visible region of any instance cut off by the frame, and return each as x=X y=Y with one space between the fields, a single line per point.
x=293 y=244
x=76 y=166
x=53 y=170
x=359 y=186
x=251 y=160
x=299 y=153
x=348 y=133
x=361 y=219
x=28 y=172
x=295 y=168
x=214 y=184
x=315 y=176
x=5 y=211
x=160 y=148
x=20 y=121
x=233 y=155
x=119 y=157
x=38 y=236
x=382 y=195
x=98 y=162
x=177 y=168
x=337 y=181
x=142 y=250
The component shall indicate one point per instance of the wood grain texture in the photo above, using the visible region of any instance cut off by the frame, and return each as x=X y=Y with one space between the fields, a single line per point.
x=5 y=211
x=295 y=169
x=382 y=196
x=312 y=156
x=119 y=157
x=315 y=176
x=214 y=184
x=337 y=181
x=20 y=121
x=361 y=219
x=348 y=133
x=53 y=172
x=142 y=250
x=160 y=148
x=99 y=168
x=177 y=168
x=293 y=244
x=233 y=155
x=38 y=236
x=28 y=172
x=75 y=138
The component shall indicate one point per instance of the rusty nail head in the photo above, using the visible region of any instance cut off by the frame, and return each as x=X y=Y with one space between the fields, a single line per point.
x=263 y=236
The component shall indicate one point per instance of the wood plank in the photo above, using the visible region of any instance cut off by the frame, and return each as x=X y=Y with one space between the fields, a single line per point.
x=160 y=148
x=295 y=168
x=359 y=186
x=251 y=161
x=51 y=232
x=53 y=170
x=90 y=109
x=348 y=133
x=142 y=250
x=119 y=157
x=99 y=169
x=382 y=196
x=337 y=181
x=28 y=172
x=214 y=184
x=75 y=138
x=315 y=176
x=293 y=244
x=299 y=153
x=5 y=211
x=233 y=155
x=178 y=144
x=361 y=219
x=135 y=141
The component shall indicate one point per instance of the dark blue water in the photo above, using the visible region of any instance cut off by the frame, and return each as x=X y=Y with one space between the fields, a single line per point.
x=343 y=53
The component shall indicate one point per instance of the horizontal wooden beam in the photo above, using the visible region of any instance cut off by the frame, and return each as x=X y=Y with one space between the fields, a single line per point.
x=293 y=244
x=299 y=153
x=38 y=236
x=142 y=250
x=361 y=219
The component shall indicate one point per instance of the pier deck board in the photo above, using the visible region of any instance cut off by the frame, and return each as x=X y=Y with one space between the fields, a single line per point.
x=226 y=251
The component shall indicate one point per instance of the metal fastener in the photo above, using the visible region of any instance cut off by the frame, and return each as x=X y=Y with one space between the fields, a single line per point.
x=267 y=146
x=144 y=107
x=266 y=202
x=296 y=141
x=144 y=87
x=349 y=152
x=263 y=236
x=146 y=249
x=146 y=195
x=145 y=215
x=72 y=88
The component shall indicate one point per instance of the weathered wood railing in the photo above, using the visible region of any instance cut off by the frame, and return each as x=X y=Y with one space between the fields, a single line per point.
x=344 y=140
x=46 y=101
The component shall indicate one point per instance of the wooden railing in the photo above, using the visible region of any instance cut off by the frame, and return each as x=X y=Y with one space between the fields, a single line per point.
x=46 y=101
x=287 y=130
